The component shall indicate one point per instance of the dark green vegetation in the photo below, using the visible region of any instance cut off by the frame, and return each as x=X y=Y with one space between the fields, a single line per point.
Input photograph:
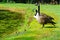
x=31 y=1
x=34 y=30
x=9 y=22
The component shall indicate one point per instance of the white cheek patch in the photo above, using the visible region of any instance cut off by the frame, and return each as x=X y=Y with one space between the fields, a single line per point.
x=36 y=16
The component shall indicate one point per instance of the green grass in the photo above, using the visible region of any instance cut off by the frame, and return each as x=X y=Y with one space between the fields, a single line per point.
x=34 y=29
x=10 y=21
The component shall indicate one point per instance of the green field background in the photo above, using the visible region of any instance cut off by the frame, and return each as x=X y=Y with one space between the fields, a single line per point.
x=34 y=29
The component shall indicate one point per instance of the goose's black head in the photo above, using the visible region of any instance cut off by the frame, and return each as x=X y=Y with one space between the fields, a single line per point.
x=36 y=14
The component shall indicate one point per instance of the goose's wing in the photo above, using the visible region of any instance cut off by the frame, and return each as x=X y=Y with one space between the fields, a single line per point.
x=51 y=18
x=46 y=16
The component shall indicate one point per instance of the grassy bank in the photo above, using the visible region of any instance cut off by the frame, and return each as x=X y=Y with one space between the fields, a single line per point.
x=34 y=30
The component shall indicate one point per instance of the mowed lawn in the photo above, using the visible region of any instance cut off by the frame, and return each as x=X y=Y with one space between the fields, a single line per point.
x=34 y=29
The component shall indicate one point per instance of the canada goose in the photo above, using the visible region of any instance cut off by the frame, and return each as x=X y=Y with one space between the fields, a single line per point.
x=44 y=19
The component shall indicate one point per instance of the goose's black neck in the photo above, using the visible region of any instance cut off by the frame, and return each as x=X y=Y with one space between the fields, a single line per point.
x=39 y=8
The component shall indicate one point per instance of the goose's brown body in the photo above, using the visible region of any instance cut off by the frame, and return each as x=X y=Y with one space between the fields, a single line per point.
x=44 y=19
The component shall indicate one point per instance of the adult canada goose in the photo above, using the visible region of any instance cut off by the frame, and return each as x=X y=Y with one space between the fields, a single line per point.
x=44 y=19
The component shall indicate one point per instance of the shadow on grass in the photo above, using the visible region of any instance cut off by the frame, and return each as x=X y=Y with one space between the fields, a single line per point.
x=25 y=38
x=50 y=27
